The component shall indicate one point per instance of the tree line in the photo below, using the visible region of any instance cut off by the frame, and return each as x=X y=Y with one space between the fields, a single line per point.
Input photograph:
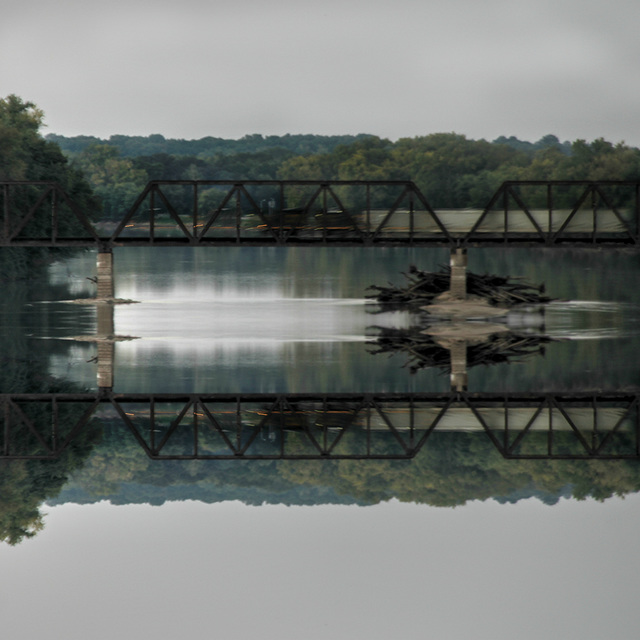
x=453 y=171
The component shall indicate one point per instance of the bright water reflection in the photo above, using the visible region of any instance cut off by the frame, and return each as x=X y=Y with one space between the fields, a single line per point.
x=295 y=320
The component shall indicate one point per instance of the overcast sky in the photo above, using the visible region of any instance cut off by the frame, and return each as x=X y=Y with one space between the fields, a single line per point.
x=393 y=68
x=189 y=570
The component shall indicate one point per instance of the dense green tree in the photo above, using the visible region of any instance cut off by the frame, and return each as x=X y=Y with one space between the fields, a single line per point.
x=547 y=141
x=163 y=166
x=440 y=165
x=114 y=179
x=26 y=484
x=26 y=155
x=19 y=125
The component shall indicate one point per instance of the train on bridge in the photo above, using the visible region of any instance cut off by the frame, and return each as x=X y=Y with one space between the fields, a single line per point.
x=308 y=213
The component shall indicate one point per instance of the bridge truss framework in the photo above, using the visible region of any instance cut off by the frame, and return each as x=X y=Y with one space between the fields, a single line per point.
x=325 y=426
x=307 y=213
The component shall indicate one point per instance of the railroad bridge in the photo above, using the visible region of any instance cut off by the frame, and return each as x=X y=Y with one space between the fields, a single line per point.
x=307 y=213
x=383 y=426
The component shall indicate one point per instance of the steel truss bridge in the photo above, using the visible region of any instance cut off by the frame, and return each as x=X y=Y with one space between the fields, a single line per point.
x=307 y=213
x=381 y=426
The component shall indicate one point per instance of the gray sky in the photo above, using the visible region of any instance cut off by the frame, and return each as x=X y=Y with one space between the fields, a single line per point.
x=389 y=67
x=485 y=571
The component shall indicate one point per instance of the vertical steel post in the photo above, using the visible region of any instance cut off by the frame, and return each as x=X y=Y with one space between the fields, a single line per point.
x=637 y=429
x=594 y=208
x=412 y=424
x=152 y=214
x=368 y=428
x=505 y=207
x=54 y=424
x=7 y=428
x=152 y=423
x=638 y=212
x=324 y=213
x=195 y=429
x=281 y=234
x=505 y=435
x=411 y=214
x=550 y=432
x=594 y=433
x=194 y=231
x=238 y=212
x=550 y=209
x=368 y=214
x=54 y=216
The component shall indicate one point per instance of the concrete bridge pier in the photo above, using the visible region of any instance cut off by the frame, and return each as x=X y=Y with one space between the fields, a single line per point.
x=458 y=264
x=104 y=264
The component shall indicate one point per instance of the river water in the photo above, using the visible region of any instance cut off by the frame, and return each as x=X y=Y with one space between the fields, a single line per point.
x=296 y=320
x=373 y=544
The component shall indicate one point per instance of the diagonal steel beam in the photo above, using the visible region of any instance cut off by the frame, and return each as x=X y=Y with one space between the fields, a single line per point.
x=173 y=213
x=581 y=200
x=516 y=196
x=609 y=436
x=214 y=216
x=25 y=420
x=618 y=215
x=554 y=403
x=129 y=215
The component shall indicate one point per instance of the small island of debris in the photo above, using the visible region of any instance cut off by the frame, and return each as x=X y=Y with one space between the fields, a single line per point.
x=425 y=289
x=446 y=323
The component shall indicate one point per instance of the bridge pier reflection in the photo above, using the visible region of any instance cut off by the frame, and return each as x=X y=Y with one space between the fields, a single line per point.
x=458 y=355
x=106 y=346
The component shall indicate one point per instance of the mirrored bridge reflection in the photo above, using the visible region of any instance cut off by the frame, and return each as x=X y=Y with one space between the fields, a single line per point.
x=324 y=426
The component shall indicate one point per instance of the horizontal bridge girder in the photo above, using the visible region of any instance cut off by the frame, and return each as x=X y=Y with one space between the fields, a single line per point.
x=325 y=426
x=341 y=213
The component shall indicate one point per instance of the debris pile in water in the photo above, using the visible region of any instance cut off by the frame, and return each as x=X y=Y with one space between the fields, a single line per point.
x=426 y=350
x=445 y=322
x=424 y=287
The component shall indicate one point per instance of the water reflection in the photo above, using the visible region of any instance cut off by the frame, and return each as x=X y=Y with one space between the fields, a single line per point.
x=269 y=321
x=401 y=567
x=592 y=320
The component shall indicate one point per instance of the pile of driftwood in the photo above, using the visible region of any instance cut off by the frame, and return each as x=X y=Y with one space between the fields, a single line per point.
x=423 y=351
x=424 y=286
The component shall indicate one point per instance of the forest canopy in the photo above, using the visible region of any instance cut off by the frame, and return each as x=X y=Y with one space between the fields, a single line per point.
x=453 y=171
x=449 y=168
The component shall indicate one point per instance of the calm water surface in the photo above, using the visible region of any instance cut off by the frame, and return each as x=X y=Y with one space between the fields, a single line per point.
x=297 y=320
